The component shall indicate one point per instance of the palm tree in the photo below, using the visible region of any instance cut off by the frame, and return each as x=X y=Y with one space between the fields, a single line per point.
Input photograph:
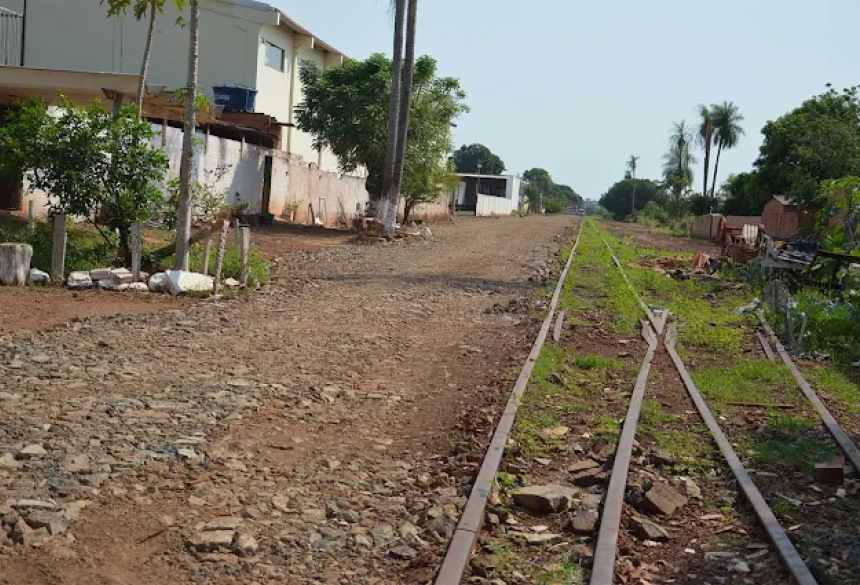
x=142 y=9
x=678 y=161
x=183 y=214
x=631 y=170
x=704 y=138
x=405 y=105
x=391 y=140
x=727 y=132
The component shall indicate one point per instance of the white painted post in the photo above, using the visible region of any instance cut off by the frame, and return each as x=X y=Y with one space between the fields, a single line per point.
x=58 y=249
x=243 y=255
x=136 y=251
x=219 y=257
x=207 y=247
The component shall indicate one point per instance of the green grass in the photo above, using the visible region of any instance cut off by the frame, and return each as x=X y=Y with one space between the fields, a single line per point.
x=608 y=427
x=752 y=380
x=85 y=249
x=258 y=267
x=597 y=362
x=829 y=379
x=565 y=573
x=790 y=441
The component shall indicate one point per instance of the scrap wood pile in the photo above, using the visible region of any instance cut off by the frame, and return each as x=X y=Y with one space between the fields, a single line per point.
x=680 y=266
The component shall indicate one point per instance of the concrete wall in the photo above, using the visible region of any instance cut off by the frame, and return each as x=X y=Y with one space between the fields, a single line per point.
x=488 y=206
x=333 y=197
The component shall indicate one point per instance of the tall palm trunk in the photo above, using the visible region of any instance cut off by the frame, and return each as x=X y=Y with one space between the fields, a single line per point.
x=405 y=107
x=707 y=165
x=147 y=55
x=183 y=216
x=388 y=170
x=716 y=168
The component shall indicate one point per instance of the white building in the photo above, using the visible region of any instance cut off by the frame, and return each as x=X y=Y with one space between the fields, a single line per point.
x=242 y=42
x=485 y=195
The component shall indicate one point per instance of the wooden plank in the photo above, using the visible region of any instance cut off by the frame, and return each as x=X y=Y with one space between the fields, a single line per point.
x=58 y=249
x=136 y=251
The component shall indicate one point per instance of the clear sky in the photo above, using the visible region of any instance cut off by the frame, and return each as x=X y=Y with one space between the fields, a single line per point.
x=577 y=87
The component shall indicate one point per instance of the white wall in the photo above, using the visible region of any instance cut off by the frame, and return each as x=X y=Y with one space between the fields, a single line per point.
x=488 y=205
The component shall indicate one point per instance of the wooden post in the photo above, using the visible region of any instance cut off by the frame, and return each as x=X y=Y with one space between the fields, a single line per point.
x=219 y=257
x=243 y=255
x=58 y=250
x=31 y=214
x=136 y=250
x=236 y=231
x=207 y=247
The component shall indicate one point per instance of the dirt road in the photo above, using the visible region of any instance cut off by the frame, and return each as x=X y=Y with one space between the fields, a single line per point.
x=311 y=433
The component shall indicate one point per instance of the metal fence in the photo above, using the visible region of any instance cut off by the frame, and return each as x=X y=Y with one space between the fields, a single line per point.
x=11 y=37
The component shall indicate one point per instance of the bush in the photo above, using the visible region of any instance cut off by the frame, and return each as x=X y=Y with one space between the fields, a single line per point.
x=258 y=267
x=553 y=206
x=84 y=250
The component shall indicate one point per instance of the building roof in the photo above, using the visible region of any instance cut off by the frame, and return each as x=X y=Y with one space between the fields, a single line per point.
x=782 y=199
x=286 y=20
x=476 y=176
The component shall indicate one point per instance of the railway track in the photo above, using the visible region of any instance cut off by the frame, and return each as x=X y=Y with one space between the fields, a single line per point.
x=659 y=333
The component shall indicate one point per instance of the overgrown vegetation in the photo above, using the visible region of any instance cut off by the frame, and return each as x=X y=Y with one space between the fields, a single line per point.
x=85 y=249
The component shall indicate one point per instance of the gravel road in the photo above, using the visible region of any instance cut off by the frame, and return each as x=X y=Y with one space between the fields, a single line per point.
x=309 y=433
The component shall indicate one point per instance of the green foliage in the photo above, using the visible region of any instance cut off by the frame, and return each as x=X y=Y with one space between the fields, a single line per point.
x=346 y=109
x=258 y=267
x=85 y=250
x=467 y=158
x=553 y=206
x=206 y=202
x=85 y=158
x=743 y=194
x=791 y=441
x=817 y=141
x=618 y=200
x=139 y=7
x=830 y=325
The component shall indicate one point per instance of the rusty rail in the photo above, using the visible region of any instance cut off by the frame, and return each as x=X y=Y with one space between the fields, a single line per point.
x=603 y=570
x=460 y=550
x=841 y=437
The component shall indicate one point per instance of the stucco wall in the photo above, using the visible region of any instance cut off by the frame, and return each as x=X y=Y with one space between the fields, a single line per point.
x=343 y=195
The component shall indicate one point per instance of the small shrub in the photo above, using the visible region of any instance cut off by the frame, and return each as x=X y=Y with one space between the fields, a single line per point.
x=258 y=267
x=84 y=250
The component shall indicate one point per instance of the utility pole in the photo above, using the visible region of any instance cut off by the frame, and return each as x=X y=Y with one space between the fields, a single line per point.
x=631 y=164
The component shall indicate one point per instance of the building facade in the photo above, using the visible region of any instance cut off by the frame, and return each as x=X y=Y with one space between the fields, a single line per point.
x=242 y=42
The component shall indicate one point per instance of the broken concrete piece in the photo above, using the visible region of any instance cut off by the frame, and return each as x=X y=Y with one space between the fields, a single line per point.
x=539 y=539
x=158 y=283
x=55 y=522
x=122 y=275
x=39 y=277
x=180 y=281
x=109 y=283
x=545 y=499
x=245 y=545
x=584 y=521
x=100 y=274
x=79 y=281
x=648 y=530
x=32 y=452
x=231 y=283
x=662 y=499
x=15 y=264
x=138 y=287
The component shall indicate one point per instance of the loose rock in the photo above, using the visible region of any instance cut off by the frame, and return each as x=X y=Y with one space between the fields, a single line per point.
x=545 y=499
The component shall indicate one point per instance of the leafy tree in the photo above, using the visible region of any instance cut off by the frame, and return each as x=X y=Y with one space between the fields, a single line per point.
x=346 y=109
x=566 y=195
x=817 y=141
x=743 y=194
x=142 y=9
x=86 y=158
x=705 y=137
x=468 y=158
x=727 y=132
x=538 y=186
x=618 y=200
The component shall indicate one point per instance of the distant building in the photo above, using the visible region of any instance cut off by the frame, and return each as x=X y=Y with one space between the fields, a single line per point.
x=485 y=195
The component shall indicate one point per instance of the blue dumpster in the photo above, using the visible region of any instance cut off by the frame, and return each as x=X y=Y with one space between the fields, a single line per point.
x=235 y=98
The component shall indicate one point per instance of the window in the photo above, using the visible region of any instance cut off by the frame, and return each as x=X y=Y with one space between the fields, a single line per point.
x=274 y=56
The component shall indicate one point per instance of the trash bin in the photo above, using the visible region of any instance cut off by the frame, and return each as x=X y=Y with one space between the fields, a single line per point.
x=235 y=98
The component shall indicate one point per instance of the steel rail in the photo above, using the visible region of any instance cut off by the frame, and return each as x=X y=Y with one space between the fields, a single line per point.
x=785 y=548
x=603 y=571
x=841 y=437
x=462 y=543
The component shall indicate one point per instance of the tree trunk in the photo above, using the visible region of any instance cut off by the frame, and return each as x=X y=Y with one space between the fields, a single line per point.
x=716 y=168
x=384 y=211
x=707 y=165
x=407 y=211
x=15 y=264
x=147 y=55
x=405 y=107
x=125 y=244
x=183 y=216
